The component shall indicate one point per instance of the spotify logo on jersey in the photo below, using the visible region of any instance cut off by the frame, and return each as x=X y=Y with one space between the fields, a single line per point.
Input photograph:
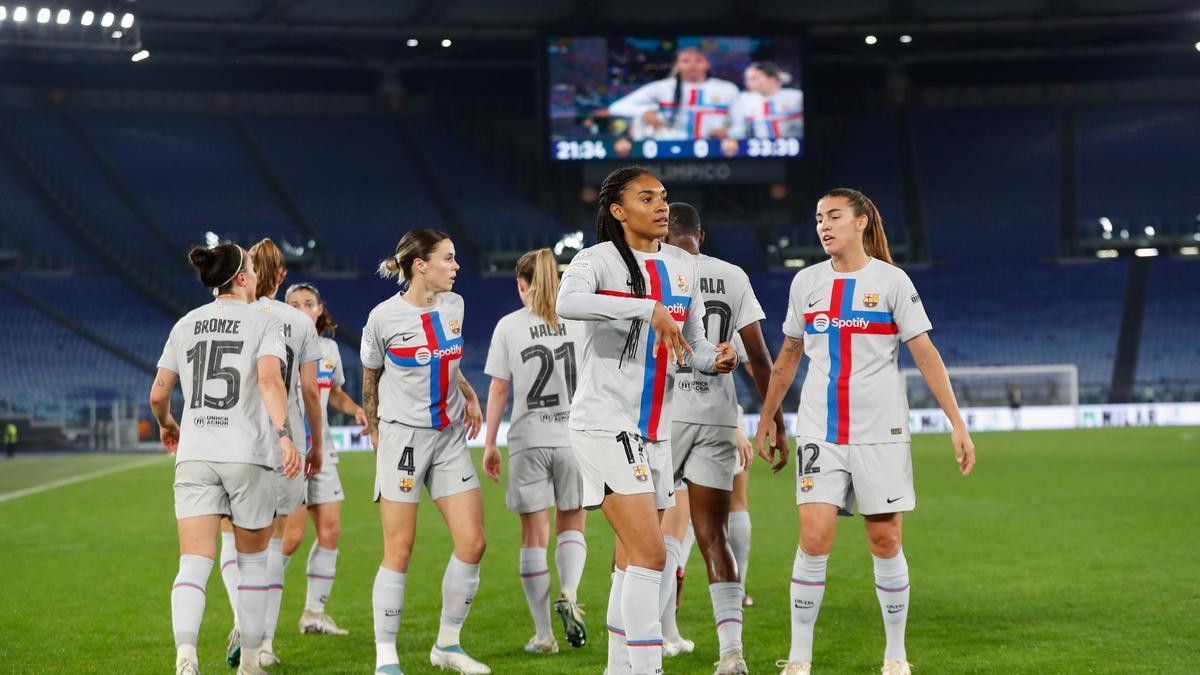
x=423 y=355
x=821 y=323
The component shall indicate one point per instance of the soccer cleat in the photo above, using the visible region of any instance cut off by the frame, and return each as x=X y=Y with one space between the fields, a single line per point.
x=794 y=667
x=731 y=664
x=677 y=647
x=679 y=572
x=233 y=650
x=267 y=658
x=541 y=645
x=572 y=620
x=320 y=623
x=454 y=658
x=250 y=669
x=896 y=667
x=389 y=669
x=747 y=601
x=185 y=667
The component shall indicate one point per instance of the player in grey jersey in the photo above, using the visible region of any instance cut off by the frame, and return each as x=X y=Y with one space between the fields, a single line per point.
x=704 y=443
x=534 y=352
x=420 y=414
x=324 y=491
x=228 y=359
x=849 y=315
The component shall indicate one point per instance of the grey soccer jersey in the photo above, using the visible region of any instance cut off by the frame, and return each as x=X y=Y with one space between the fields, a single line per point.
x=329 y=375
x=852 y=325
x=729 y=306
x=630 y=392
x=419 y=350
x=543 y=365
x=215 y=350
x=303 y=346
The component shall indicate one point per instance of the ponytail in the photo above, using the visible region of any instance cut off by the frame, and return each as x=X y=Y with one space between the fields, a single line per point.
x=608 y=228
x=540 y=272
x=268 y=263
x=414 y=244
x=874 y=238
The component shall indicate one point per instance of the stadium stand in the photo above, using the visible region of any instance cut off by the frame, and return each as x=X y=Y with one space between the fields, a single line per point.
x=1169 y=354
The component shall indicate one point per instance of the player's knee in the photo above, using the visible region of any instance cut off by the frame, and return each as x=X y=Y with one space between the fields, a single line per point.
x=885 y=544
x=328 y=535
x=471 y=551
x=291 y=542
x=816 y=543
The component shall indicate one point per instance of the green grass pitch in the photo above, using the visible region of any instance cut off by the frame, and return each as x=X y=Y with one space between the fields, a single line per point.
x=1066 y=552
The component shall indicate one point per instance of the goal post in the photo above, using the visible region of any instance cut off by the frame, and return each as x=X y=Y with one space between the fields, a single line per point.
x=1000 y=386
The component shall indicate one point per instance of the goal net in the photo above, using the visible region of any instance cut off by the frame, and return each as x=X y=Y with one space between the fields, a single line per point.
x=1008 y=386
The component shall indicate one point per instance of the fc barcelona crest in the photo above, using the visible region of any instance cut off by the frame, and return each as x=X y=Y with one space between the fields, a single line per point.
x=456 y=327
x=640 y=473
x=681 y=282
x=806 y=483
x=870 y=300
x=406 y=484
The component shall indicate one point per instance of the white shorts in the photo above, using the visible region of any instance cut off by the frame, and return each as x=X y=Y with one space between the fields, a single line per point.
x=289 y=492
x=704 y=454
x=410 y=457
x=876 y=476
x=622 y=463
x=539 y=478
x=326 y=486
x=244 y=492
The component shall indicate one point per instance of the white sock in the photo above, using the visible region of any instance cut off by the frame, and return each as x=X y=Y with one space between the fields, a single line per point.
x=535 y=579
x=808 y=587
x=274 y=592
x=459 y=584
x=686 y=546
x=229 y=571
x=727 y=610
x=322 y=566
x=643 y=631
x=570 y=555
x=892 y=589
x=252 y=603
x=387 y=600
x=187 y=602
x=618 y=651
x=666 y=592
x=187 y=652
x=739 y=541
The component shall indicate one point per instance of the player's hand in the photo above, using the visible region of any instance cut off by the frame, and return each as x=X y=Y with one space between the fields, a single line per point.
x=964 y=449
x=313 y=461
x=374 y=434
x=654 y=120
x=491 y=462
x=291 y=458
x=781 y=441
x=667 y=333
x=473 y=418
x=169 y=435
x=777 y=447
x=360 y=417
x=744 y=449
x=727 y=358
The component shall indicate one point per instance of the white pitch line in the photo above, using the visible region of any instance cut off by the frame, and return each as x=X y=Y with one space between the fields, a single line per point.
x=76 y=479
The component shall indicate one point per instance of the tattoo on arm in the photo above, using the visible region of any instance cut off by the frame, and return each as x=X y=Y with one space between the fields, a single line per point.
x=371 y=398
x=793 y=345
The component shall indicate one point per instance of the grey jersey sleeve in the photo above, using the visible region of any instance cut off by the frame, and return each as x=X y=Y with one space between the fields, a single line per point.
x=793 y=323
x=749 y=310
x=497 y=358
x=909 y=311
x=310 y=349
x=371 y=349
x=578 y=298
x=169 y=360
x=272 y=343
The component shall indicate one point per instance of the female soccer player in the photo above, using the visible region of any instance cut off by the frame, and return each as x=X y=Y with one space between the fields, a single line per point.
x=636 y=292
x=686 y=105
x=768 y=109
x=324 y=491
x=229 y=359
x=535 y=353
x=850 y=315
x=411 y=347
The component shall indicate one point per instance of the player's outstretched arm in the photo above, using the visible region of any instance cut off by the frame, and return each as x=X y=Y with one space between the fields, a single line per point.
x=342 y=402
x=496 y=402
x=160 y=405
x=929 y=362
x=313 y=414
x=782 y=376
x=371 y=403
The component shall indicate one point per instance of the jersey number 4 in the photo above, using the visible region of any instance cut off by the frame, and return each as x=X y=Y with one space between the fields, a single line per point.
x=210 y=354
x=537 y=398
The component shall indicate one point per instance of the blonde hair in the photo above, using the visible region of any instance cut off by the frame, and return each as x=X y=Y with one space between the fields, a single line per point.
x=874 y=238
x=414 y=244
x=268 y=264
x=539 y=270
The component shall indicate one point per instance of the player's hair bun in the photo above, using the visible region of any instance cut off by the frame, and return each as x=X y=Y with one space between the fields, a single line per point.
x=216 y=266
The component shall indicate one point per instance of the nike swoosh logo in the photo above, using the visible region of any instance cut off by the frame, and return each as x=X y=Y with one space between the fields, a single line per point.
x=405 y=337
x=814 y=302
x=894 y=500
x=895 y=611
x=671 y=493
x=467 y=478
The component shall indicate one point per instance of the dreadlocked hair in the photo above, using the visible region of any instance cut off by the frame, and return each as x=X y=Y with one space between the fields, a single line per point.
x=608 y=228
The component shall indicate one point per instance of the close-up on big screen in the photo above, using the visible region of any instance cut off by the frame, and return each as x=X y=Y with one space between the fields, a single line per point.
x=675 y=97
